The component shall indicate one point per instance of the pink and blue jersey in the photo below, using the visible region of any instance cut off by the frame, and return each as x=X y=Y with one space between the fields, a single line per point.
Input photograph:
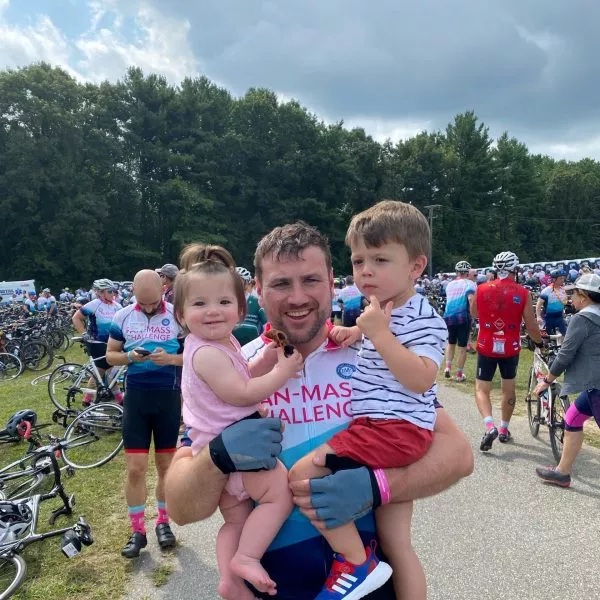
x=135 y=329
x=99 y=315
x=457 y=301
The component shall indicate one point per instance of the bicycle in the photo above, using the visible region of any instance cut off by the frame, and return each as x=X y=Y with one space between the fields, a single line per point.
x=18 y=523
x=10 y=367
x=91 y=440
x=69 y=382
x=550 y=407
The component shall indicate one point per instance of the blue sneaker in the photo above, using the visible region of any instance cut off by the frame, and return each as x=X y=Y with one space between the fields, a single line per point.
x=352 y=582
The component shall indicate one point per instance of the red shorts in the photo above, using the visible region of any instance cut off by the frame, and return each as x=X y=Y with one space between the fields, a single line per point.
x=382 y=443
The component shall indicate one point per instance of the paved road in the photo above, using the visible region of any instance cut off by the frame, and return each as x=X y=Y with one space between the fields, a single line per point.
x=500 y=534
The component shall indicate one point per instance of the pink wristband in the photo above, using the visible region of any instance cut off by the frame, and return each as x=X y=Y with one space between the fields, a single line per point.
x=384 y=486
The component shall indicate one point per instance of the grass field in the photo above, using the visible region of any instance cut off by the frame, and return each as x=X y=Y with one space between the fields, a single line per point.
x=592 y=435
x=98 y=572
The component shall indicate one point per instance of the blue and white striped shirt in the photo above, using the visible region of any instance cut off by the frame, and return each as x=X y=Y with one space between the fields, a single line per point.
x=376 y=393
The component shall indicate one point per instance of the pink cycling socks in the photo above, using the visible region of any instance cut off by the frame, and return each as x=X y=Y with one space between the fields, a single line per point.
x=163 y=517
x=136 y=516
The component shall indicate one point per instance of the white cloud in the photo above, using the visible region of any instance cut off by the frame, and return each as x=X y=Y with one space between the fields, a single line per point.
x=161 y=46
x=158 y=45
x=23 y=45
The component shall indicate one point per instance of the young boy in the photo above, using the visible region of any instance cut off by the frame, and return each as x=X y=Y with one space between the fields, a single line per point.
x=393 y=396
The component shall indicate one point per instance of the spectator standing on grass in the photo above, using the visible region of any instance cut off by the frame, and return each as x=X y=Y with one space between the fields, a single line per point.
x=167 y=274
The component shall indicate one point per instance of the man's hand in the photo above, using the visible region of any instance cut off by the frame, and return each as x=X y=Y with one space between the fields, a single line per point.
x=336 y=499
x=160 y=357
x=345 y=336
x=375 y=320
x=248 y=445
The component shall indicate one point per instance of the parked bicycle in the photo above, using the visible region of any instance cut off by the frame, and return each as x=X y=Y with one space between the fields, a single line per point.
x=549 y=408
x=18 y=525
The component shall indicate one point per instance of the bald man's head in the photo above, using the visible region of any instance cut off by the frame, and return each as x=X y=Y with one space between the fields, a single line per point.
x=147 y=289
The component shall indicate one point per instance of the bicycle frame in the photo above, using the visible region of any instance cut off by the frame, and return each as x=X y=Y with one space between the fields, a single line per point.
x=10 y=551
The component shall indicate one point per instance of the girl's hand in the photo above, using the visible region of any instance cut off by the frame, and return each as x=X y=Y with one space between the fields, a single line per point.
x=290 y=365
x=269 y=357
x=345 y=336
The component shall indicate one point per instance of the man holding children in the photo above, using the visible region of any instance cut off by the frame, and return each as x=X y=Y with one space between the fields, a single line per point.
x=374 y=437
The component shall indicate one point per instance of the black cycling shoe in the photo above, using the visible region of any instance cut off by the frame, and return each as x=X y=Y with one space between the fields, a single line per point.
x=505 y=437
x=488 y=439
x=136 y=542
x=447 y=373
x=164 y=535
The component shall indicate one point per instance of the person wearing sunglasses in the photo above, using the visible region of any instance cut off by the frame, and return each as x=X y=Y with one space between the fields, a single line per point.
x=578 y=358
x=93 y=320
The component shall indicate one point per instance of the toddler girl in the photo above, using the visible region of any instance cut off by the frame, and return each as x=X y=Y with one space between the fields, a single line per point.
x=219 y=387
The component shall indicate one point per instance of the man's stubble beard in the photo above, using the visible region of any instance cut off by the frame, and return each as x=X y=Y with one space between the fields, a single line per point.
x=298 y=338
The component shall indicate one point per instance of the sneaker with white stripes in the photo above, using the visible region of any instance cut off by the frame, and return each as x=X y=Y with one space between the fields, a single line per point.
x=351 y=582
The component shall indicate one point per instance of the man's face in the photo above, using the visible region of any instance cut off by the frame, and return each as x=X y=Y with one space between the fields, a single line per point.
x=149 y=301
x=296 y=294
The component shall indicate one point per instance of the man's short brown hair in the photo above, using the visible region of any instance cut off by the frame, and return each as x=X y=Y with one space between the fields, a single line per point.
x=290 y=241
x=391 y=221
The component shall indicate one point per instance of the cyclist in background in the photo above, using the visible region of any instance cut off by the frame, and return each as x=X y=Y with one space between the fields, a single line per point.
x=167 y=274
x=252 y=326
x=30 y=306
x=99 y=314
x=501 y=305
x=351 y=301
x=550 y=307
x=459 y=293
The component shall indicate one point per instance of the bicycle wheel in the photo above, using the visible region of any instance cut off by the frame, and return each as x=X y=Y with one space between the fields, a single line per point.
x=36 y=355
x=94 y=437
x=534 y=405
x=16 y=482
x=10 y=367
x=560 y=405
x=65 y=385
x=12 y=573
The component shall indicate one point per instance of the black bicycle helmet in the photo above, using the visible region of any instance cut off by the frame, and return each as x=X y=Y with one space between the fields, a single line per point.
x=20 y=416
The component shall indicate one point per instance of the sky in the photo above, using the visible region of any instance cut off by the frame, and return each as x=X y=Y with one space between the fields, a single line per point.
x=393 y=67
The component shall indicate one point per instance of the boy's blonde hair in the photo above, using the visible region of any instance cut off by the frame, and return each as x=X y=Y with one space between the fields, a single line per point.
x=391 y=221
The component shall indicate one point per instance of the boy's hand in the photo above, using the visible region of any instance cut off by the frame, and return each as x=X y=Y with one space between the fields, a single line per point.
x=375 y=320
x=345 y=336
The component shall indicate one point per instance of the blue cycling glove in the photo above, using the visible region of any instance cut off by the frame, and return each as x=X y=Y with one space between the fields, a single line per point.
x=252 y=444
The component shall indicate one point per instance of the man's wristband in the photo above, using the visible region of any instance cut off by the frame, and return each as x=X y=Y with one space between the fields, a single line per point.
x=129 y=359
x=545 y=380
x=220 y=457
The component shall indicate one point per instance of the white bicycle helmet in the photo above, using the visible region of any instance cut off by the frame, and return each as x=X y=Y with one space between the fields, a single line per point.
x=103 y=284
x=244 y=274
x=462 y=266
x=505 y=262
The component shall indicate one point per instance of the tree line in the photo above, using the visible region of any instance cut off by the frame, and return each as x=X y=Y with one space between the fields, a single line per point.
x=100 y=180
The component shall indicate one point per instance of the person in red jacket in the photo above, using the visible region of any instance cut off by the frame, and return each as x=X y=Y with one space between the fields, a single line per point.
x=501 y=305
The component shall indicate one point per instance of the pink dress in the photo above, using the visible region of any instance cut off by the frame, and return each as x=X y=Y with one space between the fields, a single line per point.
x=203 y=411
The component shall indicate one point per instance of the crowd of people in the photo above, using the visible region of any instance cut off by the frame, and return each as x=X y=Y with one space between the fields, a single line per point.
x=290 y=388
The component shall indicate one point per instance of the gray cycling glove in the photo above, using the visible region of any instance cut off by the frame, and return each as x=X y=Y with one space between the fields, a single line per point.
x=252 y=444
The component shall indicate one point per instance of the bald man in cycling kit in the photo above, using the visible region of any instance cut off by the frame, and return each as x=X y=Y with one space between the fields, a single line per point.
x=146 y=336
x=501 y=305
x=295 y=285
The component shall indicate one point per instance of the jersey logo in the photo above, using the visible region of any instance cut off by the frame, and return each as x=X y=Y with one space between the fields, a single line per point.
x=165 y=321
x=345 y=370
x=516 y=299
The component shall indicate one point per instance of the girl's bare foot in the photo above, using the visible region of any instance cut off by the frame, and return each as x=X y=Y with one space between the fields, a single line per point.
x=234 y=588
x=252 y=571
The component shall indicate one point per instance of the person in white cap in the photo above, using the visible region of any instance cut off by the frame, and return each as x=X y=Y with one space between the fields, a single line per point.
x=578 y=358
x=167 y=275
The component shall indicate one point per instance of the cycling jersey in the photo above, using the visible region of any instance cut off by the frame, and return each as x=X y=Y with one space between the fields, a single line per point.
x=554 y=301
x=313 y=408
x=41 y=303
x=99 y=315
x=351 y=298
x=135 y=329
x=457 y=303
x=500 y=305
x=30 y=304
x=251 y=327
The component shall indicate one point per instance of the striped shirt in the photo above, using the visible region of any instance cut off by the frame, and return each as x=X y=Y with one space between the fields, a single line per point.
x=376 y=393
